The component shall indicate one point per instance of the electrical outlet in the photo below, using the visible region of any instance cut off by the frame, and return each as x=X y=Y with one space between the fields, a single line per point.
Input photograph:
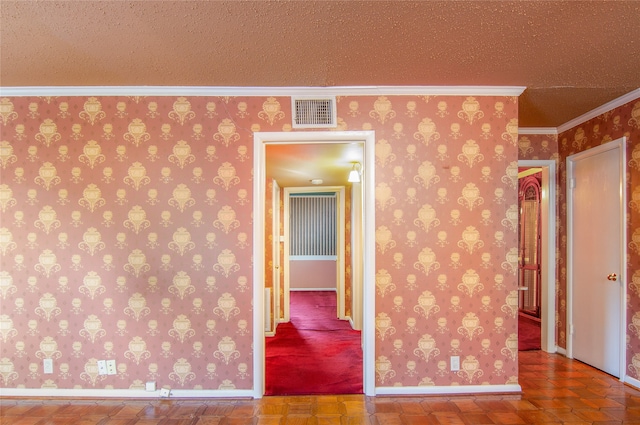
x=455 y=363
x=102 y=367
x=47 y=364
x=150 y=386
x=111 y=367
x=165 y=392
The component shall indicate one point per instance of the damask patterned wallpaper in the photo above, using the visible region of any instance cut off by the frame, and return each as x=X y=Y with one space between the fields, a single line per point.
x=126 y=233
x=621 y=121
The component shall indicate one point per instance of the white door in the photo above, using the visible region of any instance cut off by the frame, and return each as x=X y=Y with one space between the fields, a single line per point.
x=596 y=243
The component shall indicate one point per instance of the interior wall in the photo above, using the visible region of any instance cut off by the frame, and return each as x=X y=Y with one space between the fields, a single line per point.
x=611 y=125
x=313 y=274
x=127 y=229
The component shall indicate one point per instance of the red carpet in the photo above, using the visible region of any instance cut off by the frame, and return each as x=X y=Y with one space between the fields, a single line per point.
x=529 y=335
x=315 y=353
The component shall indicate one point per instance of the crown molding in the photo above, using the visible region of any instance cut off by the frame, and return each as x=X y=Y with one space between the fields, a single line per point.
x=260 y=91
x=622 y=100
x=40 y=91
x=538 y=130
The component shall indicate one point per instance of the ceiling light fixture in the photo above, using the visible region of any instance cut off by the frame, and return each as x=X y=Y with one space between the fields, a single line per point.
x=354 y=174
x=316 y=181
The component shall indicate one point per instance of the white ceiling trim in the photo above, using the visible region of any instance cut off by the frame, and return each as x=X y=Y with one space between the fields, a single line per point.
x=615 y=103
x=261 y=91
x=537 y=130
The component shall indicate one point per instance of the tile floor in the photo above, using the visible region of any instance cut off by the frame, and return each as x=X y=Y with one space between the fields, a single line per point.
x=555 y=391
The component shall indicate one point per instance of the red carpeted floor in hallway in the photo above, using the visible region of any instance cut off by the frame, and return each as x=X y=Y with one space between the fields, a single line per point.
x=315 y=353
x=529 y=336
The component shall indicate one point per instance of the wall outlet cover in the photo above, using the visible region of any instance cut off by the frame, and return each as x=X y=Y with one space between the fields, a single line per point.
x=111 y=367
x=455 y=363
x=102 y=367
x=150 y=386
x=47 y=365
x=165 y=392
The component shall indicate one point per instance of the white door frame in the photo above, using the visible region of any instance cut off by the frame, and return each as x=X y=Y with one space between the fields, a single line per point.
x=621 y=145
x=260 y=140
x=356 y=252
x=339 y=191
x=275 y=243
x=548 y=252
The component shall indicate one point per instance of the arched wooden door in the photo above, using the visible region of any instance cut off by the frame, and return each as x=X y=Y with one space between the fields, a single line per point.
x=529 y=201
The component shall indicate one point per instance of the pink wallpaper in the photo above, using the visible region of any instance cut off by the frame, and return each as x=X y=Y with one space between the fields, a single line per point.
x=127 y=234
x=538 y=147
x=621 y=121
x=446 y=241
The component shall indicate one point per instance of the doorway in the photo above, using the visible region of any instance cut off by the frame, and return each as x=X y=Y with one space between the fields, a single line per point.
x=314 y=349
x=529 y=258
x=530 y=233
x=547 y=303
x=366 y=306
x=314 y=243
x=596 y=256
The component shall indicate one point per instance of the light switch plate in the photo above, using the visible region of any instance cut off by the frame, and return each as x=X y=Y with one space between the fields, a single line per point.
x=455 y=363
x=111 y=367
x=102 y=367
x=47 y=364
x=150 y=386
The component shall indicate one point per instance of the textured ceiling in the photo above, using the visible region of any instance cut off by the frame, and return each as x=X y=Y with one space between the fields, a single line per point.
x=572 y=56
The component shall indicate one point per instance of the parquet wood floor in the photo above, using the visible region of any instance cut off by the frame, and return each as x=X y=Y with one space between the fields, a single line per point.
x=555 y=390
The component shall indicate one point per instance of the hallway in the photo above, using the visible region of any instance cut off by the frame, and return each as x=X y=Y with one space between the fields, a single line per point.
x=315 y=352
x=555 y=390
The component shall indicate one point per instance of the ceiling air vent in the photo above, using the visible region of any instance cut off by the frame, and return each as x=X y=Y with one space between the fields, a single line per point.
x=313 y=112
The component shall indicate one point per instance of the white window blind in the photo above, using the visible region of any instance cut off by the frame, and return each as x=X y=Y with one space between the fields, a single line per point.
x=312 y=224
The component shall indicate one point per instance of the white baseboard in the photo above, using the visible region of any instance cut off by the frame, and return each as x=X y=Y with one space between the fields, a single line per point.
x=632 y=381
x=626 y=378
x=102 y=393
x=120 y=393
x=452 y=389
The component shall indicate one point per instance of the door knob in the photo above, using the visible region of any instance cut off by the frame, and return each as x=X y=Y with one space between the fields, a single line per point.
x=612 y=277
